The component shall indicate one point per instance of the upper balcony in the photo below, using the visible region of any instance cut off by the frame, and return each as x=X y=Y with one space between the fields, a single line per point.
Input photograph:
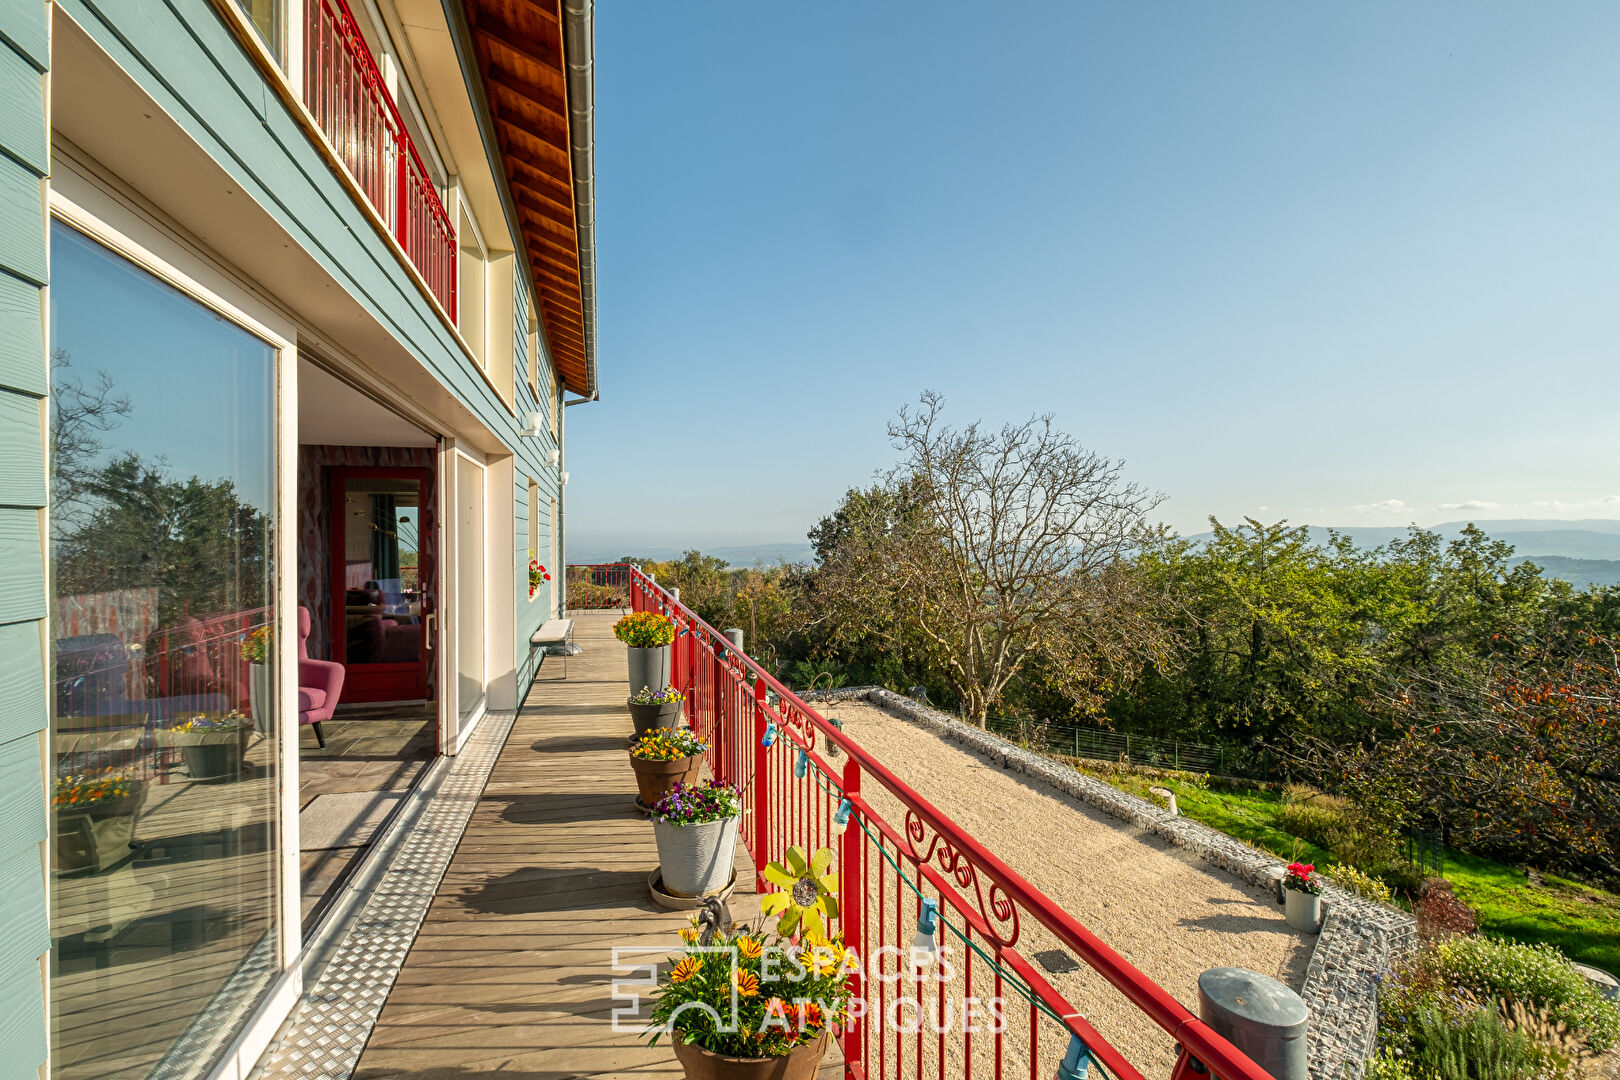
x=347 y=95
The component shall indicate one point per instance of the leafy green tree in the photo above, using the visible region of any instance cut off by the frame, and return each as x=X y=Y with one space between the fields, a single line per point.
x=196 y=541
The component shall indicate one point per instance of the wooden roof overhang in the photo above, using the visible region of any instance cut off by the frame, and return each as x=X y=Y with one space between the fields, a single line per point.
x=518 y=47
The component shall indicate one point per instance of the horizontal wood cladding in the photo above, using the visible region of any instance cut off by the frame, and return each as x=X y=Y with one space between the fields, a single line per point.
x=519 y=49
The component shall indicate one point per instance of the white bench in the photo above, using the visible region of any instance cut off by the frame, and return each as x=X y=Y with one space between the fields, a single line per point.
x=553 y=632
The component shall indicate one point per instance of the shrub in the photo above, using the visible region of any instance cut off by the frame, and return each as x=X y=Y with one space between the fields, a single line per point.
x=1363 y=885
x=1480 y=1047
x=1440 y=914
x=1535 y=974
x=1402 y=877
x=1387 y=1065
x=1312 y=821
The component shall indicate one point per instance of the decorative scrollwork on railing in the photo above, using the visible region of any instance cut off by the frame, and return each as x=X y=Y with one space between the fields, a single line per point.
x=996 y=908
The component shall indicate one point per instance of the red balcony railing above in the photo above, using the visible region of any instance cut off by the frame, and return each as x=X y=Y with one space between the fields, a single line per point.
x=349 y=99
x=896 y=851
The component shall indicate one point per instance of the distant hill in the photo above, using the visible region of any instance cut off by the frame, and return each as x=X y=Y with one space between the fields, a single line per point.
x=740 y=555
x=1581 y=573
x=1583 y=553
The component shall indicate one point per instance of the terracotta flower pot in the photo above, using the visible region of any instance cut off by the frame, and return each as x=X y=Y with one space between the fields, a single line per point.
x=647 y=717
x=701 y=1064
x=655 y=778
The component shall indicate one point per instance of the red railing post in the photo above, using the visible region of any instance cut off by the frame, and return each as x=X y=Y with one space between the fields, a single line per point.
x=852 y=894
x=762 y=785
x=720 y=760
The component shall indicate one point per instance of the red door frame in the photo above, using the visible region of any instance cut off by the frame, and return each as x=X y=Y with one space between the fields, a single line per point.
x=356 y=689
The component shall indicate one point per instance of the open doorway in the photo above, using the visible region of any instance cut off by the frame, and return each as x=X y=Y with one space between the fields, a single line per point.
x=368 y=577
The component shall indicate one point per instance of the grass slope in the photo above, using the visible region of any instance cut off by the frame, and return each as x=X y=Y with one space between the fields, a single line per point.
x=1584 y=923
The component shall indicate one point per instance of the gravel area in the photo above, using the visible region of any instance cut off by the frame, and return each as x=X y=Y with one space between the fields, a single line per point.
x=1162 y=909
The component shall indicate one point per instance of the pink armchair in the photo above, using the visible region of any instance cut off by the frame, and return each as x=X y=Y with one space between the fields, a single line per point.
x=319 y=683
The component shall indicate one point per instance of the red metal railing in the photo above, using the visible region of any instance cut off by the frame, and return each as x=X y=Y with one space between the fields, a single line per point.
x=349 y=99
x=897 y=850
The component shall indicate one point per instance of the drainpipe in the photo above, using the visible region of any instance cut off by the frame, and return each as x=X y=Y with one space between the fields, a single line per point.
x=579 y=52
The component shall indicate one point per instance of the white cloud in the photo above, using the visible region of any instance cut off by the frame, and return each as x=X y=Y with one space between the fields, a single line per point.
x=1471 y=504
x=1385 y=505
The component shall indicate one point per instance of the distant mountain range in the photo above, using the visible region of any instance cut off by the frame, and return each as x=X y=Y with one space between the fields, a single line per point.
x=1583 y=553
x=737 y=555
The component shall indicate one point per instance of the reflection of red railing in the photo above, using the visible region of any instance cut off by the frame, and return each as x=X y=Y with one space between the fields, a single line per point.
x=993 y=916
x=111 y=696
x=349 y=99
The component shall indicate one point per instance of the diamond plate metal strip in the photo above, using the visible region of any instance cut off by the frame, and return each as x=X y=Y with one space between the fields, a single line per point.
x=329 y=1027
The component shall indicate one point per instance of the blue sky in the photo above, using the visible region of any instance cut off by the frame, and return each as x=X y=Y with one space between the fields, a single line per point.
x=1346 y=266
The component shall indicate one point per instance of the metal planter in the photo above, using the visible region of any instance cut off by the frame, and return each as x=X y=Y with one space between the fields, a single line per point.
x=647 y=717
x=696 y=859
x=649 y=668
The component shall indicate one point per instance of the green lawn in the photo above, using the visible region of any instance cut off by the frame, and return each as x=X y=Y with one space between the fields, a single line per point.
x=1583 y=922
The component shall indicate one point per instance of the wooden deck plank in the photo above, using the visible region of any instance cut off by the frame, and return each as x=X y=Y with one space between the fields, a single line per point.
x=512 y=971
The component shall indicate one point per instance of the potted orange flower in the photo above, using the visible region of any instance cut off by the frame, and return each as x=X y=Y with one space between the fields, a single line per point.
x=751 y=1004
x=662 y=758
x=95 y=818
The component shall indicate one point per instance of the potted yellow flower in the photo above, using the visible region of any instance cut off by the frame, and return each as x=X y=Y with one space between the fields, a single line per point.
x=257 y=648
x=653 y=709
x=648 y=635
x=662 y=758
x=212 y=746
x=752 y=1005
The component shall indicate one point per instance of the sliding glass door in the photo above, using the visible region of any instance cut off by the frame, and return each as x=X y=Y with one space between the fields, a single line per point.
x=164 y=868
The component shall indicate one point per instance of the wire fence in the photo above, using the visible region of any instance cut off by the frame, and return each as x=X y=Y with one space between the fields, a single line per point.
x=1077 y=741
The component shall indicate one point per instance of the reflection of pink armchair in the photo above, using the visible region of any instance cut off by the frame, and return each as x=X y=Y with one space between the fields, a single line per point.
x=319 y=683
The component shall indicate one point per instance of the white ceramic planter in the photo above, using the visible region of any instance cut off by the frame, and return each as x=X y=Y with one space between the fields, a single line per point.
x=1303 y=910
x=696 y=859
x=649 y=668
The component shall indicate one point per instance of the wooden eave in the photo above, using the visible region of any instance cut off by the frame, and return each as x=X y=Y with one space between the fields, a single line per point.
x=518 y=45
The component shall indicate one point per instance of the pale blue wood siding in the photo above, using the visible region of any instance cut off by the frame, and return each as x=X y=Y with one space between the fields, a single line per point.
x=24 y=378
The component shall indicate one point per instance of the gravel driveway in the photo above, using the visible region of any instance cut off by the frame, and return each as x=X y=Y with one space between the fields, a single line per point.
x=1162 y=909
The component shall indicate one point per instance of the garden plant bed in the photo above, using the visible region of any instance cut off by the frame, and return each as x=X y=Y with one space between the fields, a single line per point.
x=1583 y=922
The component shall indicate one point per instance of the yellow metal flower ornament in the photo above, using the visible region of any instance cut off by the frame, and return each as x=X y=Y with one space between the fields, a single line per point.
x=809 y=893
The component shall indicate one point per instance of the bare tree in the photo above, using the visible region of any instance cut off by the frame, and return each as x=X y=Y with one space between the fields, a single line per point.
x=982 y=551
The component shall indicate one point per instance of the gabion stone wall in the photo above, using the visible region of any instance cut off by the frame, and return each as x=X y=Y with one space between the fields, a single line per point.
x=1359 y=939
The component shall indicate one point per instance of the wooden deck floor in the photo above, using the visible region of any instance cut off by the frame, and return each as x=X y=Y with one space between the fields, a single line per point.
x=512 y=974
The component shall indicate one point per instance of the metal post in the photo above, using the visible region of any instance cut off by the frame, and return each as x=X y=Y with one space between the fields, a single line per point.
x=852 y=894
x=762 y=784
x=1258 y=1015
x=734 y=635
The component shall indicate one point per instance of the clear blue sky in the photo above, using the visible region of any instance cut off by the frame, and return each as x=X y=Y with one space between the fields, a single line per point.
x=1355 y=265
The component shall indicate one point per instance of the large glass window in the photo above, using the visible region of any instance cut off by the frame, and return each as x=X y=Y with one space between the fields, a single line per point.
x=164 y=905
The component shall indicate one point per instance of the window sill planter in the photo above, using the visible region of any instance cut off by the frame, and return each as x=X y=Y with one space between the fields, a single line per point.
x=98 y=835
x=649 y=667
x=648 y=717
x=1303 y=910
x=696 y=860
x=701 y=1064
x=654 y=779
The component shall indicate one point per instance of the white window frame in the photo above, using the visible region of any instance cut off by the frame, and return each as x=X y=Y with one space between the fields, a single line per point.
x=80 y=200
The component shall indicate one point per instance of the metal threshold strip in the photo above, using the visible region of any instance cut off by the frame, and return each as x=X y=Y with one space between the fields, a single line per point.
x=352 y=960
